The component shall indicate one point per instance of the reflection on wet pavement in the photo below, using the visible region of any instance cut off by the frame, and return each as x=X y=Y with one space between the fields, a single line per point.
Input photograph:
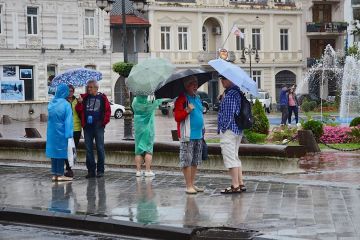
x=313 y=212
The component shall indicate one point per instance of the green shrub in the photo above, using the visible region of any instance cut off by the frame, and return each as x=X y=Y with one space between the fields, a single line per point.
x=279 y=134
x=355 y=134
x=355 y=122
x=261 y=122
x=254 y=137
x=122 y=68
x=316 y=127
x=306 y=106
x=313 y=105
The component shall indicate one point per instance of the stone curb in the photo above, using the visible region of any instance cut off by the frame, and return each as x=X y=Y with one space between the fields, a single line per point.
x=92 y=223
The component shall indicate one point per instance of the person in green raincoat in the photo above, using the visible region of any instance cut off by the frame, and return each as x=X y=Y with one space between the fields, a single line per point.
x=144 y=115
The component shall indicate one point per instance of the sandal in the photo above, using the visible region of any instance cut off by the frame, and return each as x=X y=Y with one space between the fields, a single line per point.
x=231 y=190
x=191 y=191
x=242 y=188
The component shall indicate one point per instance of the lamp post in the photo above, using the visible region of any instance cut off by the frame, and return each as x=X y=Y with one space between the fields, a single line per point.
x=249 y=51
x=139 y=5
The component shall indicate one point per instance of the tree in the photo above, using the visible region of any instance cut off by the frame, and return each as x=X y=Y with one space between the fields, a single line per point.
x=261 y=122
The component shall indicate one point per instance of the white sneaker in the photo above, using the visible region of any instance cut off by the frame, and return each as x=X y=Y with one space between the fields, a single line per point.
x=139 y=173
x=149 y=174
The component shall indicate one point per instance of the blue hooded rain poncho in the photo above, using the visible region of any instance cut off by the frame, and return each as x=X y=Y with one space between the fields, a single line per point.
x=144 y=114
x=60 y=124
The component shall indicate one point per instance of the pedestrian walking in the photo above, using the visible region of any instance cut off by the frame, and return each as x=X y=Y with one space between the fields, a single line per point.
x=293 y=105
x=144 y=114
x=284 y=105
x=190 y=123
x=59 y=130
x=94 y=110
x=231 y=134
x=77 y=127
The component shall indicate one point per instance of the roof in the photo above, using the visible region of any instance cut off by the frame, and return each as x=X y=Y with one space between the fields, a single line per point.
x=130 y=20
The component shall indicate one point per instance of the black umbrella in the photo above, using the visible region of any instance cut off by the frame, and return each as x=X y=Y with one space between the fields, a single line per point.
x=173 y=86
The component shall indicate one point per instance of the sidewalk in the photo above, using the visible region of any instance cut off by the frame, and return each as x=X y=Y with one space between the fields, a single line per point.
x=279 y=208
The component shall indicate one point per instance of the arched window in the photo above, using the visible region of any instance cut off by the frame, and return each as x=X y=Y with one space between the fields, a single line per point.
x=90 y=66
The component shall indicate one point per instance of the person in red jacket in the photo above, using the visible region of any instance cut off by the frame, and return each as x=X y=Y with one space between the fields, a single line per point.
x=94 y=110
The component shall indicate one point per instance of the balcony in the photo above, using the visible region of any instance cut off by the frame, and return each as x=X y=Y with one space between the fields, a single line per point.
x=285 y=3
x=355 y=2
x=250 y=2
x=326 y=28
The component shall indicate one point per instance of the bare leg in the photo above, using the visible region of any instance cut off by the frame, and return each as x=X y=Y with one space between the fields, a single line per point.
x=234 y=173
x=193 y=175
x=241 y=182
x=138 y=160
x=148 y=161
x=187 y=175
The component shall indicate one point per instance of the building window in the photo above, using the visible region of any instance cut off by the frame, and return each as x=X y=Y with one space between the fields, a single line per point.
x=240 y=42
x=89 y=22
x=256 y=75
x=204 y=39
x=183 y=38
x=256 y=38
x=284 y=39
x=90 y=66
x=165 y=38
x=32 y=20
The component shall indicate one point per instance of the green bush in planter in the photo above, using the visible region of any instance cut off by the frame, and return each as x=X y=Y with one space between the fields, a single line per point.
x=355 y=122
x=261 y=122
x=313 y=105
x=254 y=137
x=316 y=127
x=306 y=106
x=122 y=68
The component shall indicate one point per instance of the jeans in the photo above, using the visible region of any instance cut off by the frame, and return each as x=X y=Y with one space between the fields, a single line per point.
x=57 y=166
x=284 y=114
x=76 y=136
x=296 y=113
x=90 y=133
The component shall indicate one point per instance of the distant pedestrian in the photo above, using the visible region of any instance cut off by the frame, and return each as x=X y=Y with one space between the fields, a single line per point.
x=59 y=130
x=284 y=105
x=144 y=117
x=293 y=105
x=77 y=127
x=231 y=134
x=188 y=113
x=94 y=110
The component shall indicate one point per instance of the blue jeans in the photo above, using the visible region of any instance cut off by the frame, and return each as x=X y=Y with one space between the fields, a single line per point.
x=296 y=113
x=97 y=133
x=57 y=166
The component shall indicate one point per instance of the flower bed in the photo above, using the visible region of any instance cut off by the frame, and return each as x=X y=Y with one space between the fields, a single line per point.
x=336 y=134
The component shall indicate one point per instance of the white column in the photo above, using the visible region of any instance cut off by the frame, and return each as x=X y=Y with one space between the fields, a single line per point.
x=15 y=30
x=200 y=25
x=59 y=29
x=226 y=32
x=271 y=39
x=299 y=37
x=134 y=39
x=152 y=38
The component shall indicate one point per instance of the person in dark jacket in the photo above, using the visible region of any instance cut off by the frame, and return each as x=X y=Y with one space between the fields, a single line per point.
x=284 y=105
x=94 y=111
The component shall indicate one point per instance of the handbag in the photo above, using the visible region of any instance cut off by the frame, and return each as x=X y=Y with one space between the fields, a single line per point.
x=71 y=152
x=204 y=154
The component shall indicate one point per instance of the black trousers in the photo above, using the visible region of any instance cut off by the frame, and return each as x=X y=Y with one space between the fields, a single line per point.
x=76 y=136
x=284 y=114
x=296 y=113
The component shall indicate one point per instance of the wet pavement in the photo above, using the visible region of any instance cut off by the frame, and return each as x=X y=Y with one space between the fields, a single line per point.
x=22 y=232
x=279 y=205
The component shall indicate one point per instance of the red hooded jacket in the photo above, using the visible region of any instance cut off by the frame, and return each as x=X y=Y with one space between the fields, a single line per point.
x=80 y=109
x=179 y=111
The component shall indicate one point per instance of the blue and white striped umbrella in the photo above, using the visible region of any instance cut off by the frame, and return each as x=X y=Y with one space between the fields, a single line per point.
x=77 y=77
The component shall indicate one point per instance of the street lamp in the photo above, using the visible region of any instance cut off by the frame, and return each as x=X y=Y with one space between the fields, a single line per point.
x=249 y=51
x=140 y=6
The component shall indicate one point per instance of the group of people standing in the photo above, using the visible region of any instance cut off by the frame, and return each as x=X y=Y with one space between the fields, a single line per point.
x=288 y=104
x=91 y=112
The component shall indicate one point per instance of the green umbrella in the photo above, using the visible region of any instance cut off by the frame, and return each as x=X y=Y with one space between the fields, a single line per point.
x=146 y=76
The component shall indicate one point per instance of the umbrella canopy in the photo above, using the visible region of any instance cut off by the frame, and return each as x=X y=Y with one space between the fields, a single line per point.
x=77 y=77
x=173 y=86
x=147 y=75
x=236 y=75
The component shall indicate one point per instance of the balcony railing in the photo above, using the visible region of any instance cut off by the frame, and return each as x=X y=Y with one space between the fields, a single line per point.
x=355 y=2
x=250 y=2
x=331 y=27
x=290 y=3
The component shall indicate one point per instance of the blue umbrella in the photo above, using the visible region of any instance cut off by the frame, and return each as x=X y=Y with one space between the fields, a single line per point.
x=77 y=77
x=236 y=75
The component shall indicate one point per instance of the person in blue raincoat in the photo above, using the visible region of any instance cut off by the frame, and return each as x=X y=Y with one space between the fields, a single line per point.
x=59 y=130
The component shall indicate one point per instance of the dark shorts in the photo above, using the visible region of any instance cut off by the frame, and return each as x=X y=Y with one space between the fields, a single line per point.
x=190 y=153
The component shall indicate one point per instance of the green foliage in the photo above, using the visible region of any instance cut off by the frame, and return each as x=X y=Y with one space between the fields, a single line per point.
x=355 y=134
x=353 y=50
x=261 y=122
x=279 y=134
x=122 y=68
x=316 y=127
x=254 y=137
x=355 y=122
x=308 y=106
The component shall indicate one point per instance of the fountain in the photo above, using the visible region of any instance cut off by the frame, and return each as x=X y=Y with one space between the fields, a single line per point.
x=325 y=78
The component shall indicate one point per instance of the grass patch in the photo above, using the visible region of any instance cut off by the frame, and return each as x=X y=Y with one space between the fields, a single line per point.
x=213 y=140
x=347 y=146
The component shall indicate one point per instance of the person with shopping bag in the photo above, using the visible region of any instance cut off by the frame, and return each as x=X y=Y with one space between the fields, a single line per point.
x=190 y=123
x=59 y=131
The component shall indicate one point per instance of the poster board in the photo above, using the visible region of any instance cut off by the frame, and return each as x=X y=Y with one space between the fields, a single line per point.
x=12 y=90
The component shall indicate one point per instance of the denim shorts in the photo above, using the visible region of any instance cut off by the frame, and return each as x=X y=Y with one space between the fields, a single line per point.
x=190 y=153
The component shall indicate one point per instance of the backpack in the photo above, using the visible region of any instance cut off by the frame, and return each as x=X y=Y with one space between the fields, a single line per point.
x=244 y=120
